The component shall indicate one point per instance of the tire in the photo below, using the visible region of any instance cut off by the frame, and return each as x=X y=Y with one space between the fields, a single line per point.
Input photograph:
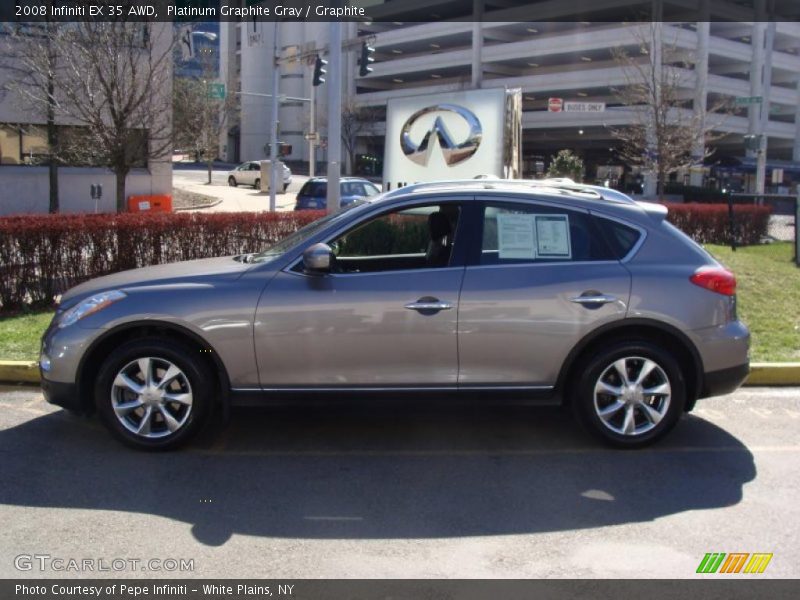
x=257 y=184
x=121 y=381
x=285 y=187
x=232 y=181
x=627 y=416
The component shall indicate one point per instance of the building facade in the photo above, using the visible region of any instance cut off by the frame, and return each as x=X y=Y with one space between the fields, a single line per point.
x=24 y=153
x=752 y=66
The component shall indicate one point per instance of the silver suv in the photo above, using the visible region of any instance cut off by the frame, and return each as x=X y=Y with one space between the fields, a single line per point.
x=542 y=292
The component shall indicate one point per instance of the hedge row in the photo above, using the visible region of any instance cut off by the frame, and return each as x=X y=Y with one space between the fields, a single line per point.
x=43 y=255
x=710 y=223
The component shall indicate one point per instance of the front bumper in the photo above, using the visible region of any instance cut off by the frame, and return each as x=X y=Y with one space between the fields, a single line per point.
x=62 y=394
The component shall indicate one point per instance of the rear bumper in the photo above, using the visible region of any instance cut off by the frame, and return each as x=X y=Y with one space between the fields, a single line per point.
x=724 y=381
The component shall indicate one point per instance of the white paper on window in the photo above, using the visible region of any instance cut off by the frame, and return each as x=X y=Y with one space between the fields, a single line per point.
x=515 y=236
x=552 y=236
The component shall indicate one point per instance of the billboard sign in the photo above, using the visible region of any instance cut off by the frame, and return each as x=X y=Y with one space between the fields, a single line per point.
x=456 y=135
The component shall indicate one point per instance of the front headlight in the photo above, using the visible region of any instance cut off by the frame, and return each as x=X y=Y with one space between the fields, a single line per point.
x=89 y=306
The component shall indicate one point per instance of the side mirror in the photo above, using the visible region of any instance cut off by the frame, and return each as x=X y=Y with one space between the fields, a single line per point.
x=318 y=259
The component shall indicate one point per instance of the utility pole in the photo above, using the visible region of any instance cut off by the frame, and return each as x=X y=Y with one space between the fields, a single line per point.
x=312 y=129
x=273 y=150
x=763 y=120
x=334 y=116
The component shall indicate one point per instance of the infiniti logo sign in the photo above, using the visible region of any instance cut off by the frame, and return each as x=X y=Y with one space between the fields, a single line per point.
x=454 y=152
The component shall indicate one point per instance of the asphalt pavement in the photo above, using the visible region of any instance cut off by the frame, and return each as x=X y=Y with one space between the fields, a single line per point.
x=404 y=491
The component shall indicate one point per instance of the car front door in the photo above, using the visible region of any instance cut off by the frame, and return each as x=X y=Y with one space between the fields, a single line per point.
x=539 y=278
x=248 y=174
x=385 y=317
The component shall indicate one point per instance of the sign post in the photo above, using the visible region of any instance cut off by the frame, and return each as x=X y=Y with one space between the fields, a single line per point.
x=590 y=107
x=555 y=104
x=216 y=91
x=747 y=100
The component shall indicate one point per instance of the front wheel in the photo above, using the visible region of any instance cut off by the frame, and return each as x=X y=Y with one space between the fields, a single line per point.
x=154 y=394
x=232 y=181
x=630 y=394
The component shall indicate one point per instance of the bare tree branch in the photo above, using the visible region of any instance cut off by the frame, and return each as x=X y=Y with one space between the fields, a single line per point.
x=666 y=130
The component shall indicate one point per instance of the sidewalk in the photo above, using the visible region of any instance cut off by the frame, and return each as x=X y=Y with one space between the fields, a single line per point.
x=233 y=199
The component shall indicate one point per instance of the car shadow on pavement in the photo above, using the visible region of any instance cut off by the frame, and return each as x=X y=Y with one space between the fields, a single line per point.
x=357 y=473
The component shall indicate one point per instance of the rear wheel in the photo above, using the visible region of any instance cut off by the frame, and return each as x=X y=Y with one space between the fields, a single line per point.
x=232 y=181
x=154 y=394
x=257 y=184
x=630 y=394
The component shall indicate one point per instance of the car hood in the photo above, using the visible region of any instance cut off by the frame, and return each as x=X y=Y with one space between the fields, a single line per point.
x=187 y=272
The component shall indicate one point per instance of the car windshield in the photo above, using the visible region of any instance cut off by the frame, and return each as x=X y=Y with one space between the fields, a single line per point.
x=302 y=234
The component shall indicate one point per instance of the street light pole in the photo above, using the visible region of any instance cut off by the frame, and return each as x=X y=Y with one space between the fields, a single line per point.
x=312 y=128
x=334 y=116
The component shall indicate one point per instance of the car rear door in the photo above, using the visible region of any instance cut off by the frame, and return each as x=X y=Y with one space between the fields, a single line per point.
x=539 y=277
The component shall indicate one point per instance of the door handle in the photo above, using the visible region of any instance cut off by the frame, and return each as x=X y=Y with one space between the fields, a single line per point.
x=593 y=299
x=429 y=304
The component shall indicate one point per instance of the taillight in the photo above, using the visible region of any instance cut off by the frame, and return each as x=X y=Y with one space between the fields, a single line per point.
x=716 y=279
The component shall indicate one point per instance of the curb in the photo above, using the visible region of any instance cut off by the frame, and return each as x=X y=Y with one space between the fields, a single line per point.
x=774 y=374
x=216 y=202
x=15 y=371
x=768 y=374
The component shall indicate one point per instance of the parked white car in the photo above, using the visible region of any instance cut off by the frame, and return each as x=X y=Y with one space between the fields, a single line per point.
x=249 y=173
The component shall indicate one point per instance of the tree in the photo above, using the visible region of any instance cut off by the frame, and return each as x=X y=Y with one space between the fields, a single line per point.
x=30 y=62
x=356 y=120
x=566 y=164
x=112 y=85
x=666 y=132
x=199 y=118
x=117 y=87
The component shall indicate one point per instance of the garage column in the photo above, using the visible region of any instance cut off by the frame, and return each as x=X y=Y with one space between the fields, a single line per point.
x=700 y=99
x=796 y=148
x=477 y=43
x=655 y=55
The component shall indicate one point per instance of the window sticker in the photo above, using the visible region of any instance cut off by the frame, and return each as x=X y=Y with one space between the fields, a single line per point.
x=515 y=236
x=552 y=236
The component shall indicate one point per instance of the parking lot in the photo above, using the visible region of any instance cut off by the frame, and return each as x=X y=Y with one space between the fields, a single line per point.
x=406 y=491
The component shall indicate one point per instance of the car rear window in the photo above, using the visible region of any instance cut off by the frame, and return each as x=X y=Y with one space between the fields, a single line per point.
x=315 y=189
x=621 y=238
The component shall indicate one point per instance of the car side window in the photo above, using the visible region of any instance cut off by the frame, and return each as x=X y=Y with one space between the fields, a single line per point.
x=412 y=238
x=526 y=233
x=621 y=238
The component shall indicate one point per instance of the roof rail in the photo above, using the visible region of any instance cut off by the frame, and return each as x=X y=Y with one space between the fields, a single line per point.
x=560 y=185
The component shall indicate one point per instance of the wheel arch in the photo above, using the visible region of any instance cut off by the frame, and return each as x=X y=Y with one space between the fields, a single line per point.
x=92 y=359
x=651 y=330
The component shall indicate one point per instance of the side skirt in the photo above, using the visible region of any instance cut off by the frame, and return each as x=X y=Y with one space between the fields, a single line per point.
x=483 y=395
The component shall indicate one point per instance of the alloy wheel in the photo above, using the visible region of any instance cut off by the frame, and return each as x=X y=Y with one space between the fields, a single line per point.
x=151 y=397
x=632 y=395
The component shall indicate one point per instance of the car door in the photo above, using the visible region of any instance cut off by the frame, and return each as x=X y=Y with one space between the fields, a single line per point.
x=540 y=277
x=385 y=317
x=248 y=174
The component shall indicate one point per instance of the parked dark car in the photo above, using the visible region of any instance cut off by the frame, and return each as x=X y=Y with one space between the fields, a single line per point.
x=313 y=193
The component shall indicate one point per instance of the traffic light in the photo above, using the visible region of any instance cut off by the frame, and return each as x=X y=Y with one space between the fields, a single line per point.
x=319 y=71
x=366 y=59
